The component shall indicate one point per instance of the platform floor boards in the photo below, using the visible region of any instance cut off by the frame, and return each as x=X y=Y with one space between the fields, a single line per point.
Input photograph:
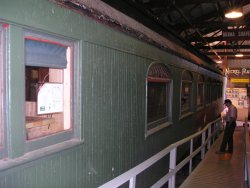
x=220 y=171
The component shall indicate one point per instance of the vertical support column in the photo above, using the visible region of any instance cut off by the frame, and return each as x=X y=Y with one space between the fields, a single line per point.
x=172 y=165
x=248 y=98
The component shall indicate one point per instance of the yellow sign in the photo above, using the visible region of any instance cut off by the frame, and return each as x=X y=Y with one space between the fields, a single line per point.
x=242 y=80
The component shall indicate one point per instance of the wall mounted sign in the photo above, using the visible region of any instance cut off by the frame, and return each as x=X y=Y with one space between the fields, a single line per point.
x=238 y=72
x=50 y=98
x=239 y=80
x=240 y=33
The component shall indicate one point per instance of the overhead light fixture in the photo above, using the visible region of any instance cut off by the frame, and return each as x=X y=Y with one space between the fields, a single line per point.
x=234 y=13
x=219 y=61
x=239 y=55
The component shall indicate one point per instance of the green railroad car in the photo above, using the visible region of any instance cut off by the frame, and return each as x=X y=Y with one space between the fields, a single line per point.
x=100 y=96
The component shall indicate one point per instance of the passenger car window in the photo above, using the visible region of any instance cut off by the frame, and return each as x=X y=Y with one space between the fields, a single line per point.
x=49 y=87
x=186 y=92
x=159 y=83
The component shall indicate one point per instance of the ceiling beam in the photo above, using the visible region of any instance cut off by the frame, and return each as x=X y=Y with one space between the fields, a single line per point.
x=227 y=53
x=220 y=47
x=231 y=57
x=220 y=38
x=204 y=24
x=179 y=3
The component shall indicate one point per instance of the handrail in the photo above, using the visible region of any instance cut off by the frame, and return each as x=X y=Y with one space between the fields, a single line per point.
x=130 y=175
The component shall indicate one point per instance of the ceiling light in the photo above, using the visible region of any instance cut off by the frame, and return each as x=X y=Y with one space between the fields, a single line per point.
x=235 y=13
x=219 y=61
x=239 y=55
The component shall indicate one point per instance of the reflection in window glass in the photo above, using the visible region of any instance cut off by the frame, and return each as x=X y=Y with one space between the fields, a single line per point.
x=186 y=92
x=158 y=95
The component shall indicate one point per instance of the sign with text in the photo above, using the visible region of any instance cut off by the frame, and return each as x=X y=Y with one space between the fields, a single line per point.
x=238 y=72
x=240 y=80
x=50 y=98
x=242 y=33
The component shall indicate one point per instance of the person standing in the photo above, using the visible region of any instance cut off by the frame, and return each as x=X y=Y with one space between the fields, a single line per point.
x=231 y=117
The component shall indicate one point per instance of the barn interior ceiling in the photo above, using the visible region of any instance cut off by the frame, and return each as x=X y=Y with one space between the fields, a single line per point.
x=201 y=23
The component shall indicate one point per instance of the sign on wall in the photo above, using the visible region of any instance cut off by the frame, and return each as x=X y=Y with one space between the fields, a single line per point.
x=50 y=98
x=240 y=34
x=238 y=72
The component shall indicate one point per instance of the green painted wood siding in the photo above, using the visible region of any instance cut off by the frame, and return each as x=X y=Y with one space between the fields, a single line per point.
x=114 y=69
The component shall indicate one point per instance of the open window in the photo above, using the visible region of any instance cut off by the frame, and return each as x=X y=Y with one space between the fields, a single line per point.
x=159 y=83
x=48 y=86
x=186 y=92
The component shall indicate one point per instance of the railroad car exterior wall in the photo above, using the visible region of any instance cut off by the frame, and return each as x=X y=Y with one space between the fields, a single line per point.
x=113 y=101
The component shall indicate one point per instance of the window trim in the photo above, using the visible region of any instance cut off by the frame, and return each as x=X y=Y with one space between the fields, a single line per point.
x=4 y=96
x=74 y=132
x=163 y=122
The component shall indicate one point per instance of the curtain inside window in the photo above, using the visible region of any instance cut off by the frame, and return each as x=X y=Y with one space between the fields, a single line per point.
x=44 y=54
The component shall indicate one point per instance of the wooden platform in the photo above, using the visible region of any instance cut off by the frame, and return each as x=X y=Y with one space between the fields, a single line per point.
x=219 y=171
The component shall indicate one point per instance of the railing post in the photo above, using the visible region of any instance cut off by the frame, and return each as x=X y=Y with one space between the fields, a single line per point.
x=209 y=134
x=203 y=142
x=132 y=182
x=214 y=130
x=191 y=160
x=245 y=166
x=172 y=165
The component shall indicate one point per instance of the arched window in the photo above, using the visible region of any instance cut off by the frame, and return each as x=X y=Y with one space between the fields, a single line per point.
x=186 y=92
x=200 y=91
x=158 y=95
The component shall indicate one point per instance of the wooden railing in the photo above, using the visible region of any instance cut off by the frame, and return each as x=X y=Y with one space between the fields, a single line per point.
x=208 y=135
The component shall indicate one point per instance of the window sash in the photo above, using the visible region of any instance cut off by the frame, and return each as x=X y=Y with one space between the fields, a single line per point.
x=186 y=96
x=157 y=101
x=200 y=95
